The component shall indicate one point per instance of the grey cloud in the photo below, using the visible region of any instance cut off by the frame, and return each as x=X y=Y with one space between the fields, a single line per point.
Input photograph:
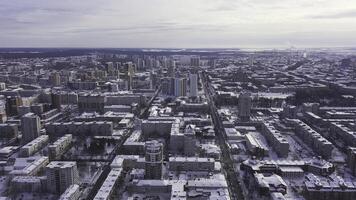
x=339 y=15
x=153 y=28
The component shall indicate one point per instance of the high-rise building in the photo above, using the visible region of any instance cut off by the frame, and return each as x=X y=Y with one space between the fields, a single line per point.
x=212 y=63
x=177 y=86
x=172 y=86
x=184 y=83
x=251 y=60
x=153 y=159
x=180 y=87
x=140 y=63
x=244 y=106
x=110 y=66
x=129 y=71
x=165 y=85
x=12 y=105
x=56 y=98
x=171 y=68
x=30 y=127
x=60 y=175
x=193 y=85
x=55 y=79
x=164 y=61
x=195 y=61
x=153 y=80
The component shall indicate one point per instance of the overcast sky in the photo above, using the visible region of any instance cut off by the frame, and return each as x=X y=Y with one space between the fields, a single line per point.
x=177 y=23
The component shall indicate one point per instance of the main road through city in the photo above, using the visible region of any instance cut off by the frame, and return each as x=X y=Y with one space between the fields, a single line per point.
x=227 y=163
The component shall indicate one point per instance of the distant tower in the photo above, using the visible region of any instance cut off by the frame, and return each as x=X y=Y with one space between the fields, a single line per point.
x=171 y=68
x=172 y=86
x=60 y=175
x=109 y=66
x=184 y=87
x=177 y=87
x=244 y=106
x=251 y=60
x=180 y=87
x=212 y=63
x=193 y=85
x=153 y=80
x=55 y=79
x=195 y=61
x=153 y=159
x=56 y=98
x=129 y=73
x=30 y=127
x=165 y=86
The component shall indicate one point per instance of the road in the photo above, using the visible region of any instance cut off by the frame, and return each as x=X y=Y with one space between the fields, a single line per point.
x=106 y=169
x=144 y=112
x=111 y=157
x=227 y=163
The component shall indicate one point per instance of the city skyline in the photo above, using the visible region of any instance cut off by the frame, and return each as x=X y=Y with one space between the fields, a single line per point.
x=178 y=99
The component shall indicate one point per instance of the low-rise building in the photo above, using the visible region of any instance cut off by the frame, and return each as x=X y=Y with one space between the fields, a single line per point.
x=34 y=146
x=191 y=164
x=59 y=147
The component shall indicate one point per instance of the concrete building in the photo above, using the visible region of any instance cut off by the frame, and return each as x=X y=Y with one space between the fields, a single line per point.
x=56 y=99
x=35 y=166
x=265 y=185
x=288 y=168
x=129 y=72
x=55 y=79
x=191 y=164
x=8 y=130
x=171 y=69
x=23 y=110
x=329 y=188
x=275 y=139
x=99 y=128
x=159 y=126
x=61 y=175
x=30 y=127
x=29 y=184
x=189 y=141
x=79 y=85
x=193 y=85
x=34 y=146
x=59 y=147
x=153 y=159
x=255 y=146
x=244 y=106
x=347 y=135
x=195 y=61
x=91 y=102
x=125 y=99
x=12 y=104
x=110 y=185
x=180 y=87
x=176 y=139
x=313 y=139
x=71 y=193
x=7 y=151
